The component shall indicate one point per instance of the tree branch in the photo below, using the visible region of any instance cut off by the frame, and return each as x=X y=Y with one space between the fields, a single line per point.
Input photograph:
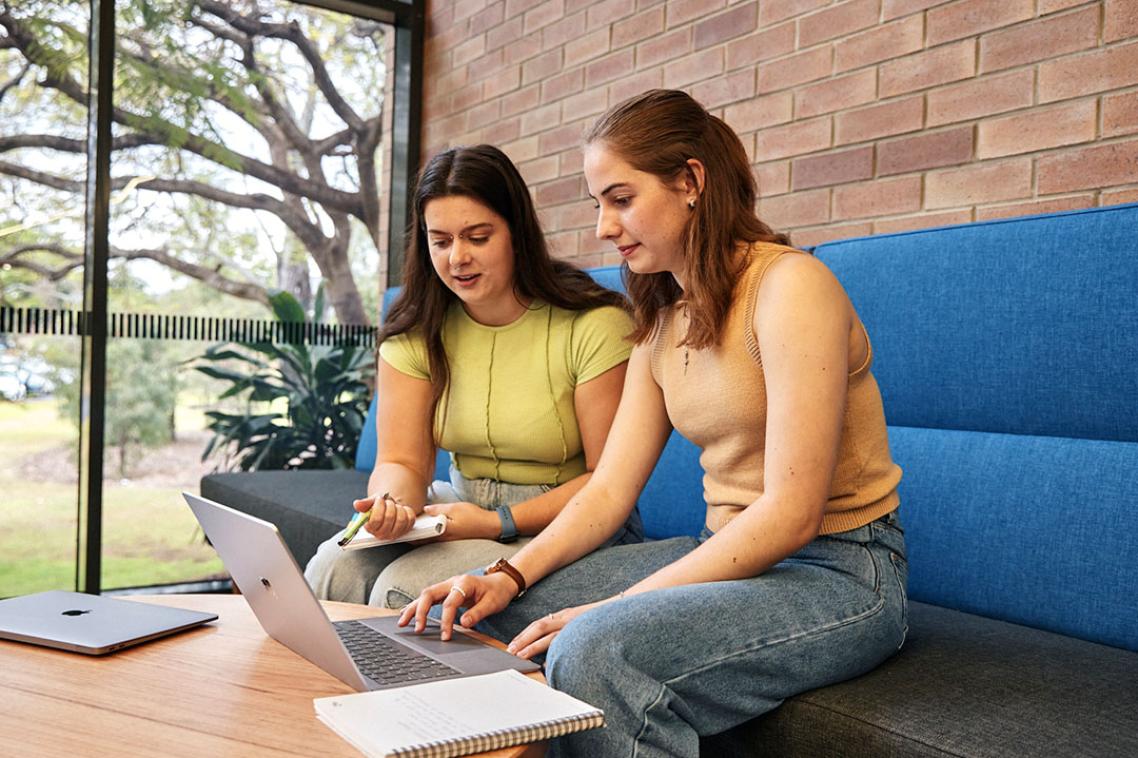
x=66 y=144
x=41 y=177
x=274 y=107
x=73 y=260
x=210 y=276
x=295 y=220
x=291 y=32
x=15 y=81
x=163 y=132
x=332 y=141
x=177 y=78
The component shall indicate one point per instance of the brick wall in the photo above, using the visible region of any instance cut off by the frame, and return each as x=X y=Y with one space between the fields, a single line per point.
x=861 y=116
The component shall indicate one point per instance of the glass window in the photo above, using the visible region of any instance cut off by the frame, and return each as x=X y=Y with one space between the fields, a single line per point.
x=43 y=168
x=250 y=174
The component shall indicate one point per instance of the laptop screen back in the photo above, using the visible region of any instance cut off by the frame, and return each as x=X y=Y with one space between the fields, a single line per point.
x=92 y=624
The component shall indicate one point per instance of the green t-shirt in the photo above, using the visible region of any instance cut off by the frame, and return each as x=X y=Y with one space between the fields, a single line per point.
x=508 y=413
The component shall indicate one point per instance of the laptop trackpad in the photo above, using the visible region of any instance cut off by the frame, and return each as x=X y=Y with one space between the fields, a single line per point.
x=462 y=652
x=428 y=641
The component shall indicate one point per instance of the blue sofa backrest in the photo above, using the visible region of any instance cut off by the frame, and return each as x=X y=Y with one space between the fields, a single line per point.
x=1007 y=355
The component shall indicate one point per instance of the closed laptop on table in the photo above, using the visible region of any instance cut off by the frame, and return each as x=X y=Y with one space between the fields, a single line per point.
x=91 y=624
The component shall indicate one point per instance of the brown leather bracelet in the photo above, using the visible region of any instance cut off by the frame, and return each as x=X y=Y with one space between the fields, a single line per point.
x=504 y=566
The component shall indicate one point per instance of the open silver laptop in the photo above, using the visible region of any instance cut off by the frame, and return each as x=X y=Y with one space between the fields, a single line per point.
x=91 y=624
x=367 y=654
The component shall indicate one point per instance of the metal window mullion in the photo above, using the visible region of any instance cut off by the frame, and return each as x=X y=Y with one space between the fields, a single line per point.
x=96 y=249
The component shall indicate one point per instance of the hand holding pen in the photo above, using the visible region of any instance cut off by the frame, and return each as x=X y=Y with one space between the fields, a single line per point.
x=382 y=515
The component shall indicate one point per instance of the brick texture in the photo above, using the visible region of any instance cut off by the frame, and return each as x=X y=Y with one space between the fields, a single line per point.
x=967 y=18
x=1040 y=129
x=981 y=97
x=979 y=183
x=860 y=116
x=1049 y=37
x=1120 y=114
x=832 y=168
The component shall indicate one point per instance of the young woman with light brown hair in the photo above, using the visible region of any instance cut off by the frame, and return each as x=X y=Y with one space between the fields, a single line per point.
x=753 y=351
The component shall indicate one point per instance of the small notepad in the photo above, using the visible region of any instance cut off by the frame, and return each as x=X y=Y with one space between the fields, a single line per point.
x=424 y=527
x=455 y=716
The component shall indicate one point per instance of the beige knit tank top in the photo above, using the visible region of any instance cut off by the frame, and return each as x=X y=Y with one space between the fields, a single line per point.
x=718 y=401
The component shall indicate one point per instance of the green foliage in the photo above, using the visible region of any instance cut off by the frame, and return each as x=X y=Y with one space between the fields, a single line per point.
x=304 y=404
x=142 y=392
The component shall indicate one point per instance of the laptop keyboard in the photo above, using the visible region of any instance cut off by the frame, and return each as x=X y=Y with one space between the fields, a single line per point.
x=385 y=661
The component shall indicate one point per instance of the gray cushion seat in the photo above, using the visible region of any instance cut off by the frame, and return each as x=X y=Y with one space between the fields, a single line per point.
x=308 y=507
x=964 y=685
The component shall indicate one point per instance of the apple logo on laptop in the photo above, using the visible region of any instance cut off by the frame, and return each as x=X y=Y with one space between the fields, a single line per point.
x=74 y=613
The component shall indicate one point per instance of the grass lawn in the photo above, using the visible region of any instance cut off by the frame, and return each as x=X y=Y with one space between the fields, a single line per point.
x=149 y=535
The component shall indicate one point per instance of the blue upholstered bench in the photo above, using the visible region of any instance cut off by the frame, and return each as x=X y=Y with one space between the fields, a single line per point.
x=1007 y=355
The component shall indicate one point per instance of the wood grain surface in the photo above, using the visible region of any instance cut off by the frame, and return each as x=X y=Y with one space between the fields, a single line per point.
x=225 y=689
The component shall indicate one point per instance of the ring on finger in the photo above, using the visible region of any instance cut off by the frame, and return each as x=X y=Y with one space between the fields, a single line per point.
x=459 y=590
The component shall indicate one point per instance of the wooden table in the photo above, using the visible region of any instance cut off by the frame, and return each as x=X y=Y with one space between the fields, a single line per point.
x=225 y=689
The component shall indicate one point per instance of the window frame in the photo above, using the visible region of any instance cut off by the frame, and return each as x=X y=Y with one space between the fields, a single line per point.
x=408 y=19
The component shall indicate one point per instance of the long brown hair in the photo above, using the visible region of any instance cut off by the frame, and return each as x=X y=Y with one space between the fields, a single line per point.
x=658 y=132
x=485 y=174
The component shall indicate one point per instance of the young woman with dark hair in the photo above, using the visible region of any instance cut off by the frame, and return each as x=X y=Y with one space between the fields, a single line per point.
x=754 y=352
x=496 y=352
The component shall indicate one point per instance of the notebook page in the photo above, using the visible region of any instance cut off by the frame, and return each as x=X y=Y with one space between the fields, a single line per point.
x=383 y=721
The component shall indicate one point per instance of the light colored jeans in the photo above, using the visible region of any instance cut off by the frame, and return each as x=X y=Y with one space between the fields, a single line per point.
x=671 y=665
x=391 y=576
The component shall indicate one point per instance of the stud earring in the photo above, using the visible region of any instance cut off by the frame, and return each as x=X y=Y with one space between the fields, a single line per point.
x=691 y=205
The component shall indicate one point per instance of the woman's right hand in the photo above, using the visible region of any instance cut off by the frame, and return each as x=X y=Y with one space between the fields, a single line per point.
x=482 y=596
x=389 y=518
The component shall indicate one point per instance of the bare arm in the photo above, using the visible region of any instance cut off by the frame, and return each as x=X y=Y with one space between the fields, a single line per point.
x=803 y=321
x=405 y=451
x=803 y=324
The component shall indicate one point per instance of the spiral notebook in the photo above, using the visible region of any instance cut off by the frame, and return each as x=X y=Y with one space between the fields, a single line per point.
x=456 y=716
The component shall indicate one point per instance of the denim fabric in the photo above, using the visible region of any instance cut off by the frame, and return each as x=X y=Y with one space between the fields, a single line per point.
x=671 y=665
x=390 y=576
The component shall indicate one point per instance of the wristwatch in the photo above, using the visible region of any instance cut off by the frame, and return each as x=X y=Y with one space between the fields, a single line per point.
x=509 y=528
x=506 y=568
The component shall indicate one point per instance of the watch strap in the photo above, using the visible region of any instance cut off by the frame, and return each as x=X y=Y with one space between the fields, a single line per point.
x=509 y=531
x=504 y=566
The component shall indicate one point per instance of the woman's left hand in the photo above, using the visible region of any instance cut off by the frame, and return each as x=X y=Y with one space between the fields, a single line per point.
x=465 y=521
x=538 y=636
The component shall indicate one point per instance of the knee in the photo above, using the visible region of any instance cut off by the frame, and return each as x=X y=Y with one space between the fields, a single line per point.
x=343 y=576
x=394 y=588
x=318 y=572
x=588 y=651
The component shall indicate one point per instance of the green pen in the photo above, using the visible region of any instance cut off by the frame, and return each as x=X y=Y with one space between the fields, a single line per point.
x=357 y=521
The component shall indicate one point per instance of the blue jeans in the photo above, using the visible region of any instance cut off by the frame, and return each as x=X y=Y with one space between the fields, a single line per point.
x=390 y=576
x=671 y=665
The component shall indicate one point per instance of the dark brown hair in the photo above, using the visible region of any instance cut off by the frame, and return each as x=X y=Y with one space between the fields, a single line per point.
x=485 y=174
x=658 y=132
